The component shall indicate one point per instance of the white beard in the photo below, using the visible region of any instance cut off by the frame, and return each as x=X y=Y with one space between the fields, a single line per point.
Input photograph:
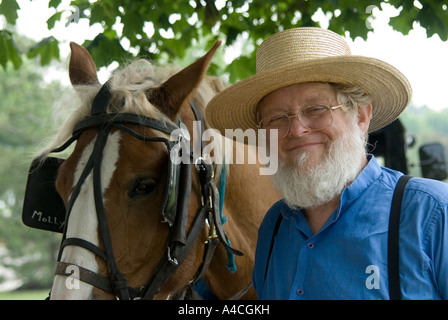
x=303 y=186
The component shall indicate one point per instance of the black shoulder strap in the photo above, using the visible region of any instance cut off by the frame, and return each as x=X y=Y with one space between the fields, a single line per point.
x=393 y=240
x=277 y=226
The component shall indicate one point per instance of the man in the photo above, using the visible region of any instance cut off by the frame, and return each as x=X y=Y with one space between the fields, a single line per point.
x=331 y=240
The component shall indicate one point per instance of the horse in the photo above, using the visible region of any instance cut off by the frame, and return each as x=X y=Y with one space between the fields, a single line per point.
x=138 y=223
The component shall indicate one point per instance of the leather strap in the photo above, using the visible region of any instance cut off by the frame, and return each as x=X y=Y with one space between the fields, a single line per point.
x=85 y=275
x=84 y=244
x=101 y=100
x=209 y=250
x=176 y=256
x=115 y=276
x=124 y=118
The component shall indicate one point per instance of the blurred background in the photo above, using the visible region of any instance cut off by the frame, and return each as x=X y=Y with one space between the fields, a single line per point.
x=34 y=53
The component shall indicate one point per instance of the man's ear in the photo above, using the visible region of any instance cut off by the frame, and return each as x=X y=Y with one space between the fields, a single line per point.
x=364 y=116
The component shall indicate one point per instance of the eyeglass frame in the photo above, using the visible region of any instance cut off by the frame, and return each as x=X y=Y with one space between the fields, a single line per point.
x=297 y=114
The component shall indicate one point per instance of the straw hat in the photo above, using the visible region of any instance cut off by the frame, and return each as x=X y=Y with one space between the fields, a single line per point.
x=310 y=55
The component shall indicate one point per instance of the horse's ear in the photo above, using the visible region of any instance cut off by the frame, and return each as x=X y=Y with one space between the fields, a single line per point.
x=82 y=69
x=170 y=96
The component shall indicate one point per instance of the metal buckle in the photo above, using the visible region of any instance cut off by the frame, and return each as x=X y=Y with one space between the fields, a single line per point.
x=173 y=261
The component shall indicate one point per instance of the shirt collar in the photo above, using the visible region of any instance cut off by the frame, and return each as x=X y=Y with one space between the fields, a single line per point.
x=368 y=175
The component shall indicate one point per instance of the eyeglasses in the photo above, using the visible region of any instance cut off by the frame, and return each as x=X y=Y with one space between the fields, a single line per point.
x=313 y=118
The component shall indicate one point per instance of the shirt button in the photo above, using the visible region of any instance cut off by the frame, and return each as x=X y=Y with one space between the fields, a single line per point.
x=310 y=245
x=299 y=292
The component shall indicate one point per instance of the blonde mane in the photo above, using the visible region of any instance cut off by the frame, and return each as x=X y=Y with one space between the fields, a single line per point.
x=128 y=86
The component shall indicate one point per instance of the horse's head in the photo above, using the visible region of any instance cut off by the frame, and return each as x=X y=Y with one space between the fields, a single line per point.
x=131 y=208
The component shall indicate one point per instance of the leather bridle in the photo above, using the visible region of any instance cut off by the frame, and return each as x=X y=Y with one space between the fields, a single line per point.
x=175 y=208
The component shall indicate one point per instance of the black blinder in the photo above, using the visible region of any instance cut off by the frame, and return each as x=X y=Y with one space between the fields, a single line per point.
x=43 y=207
x=169 y=205
x=176 y=170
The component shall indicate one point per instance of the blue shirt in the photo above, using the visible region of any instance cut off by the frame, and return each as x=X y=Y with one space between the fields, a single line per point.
x=347 y=258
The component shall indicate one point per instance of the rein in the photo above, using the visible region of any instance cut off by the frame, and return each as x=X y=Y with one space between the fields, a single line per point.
x=174 y=209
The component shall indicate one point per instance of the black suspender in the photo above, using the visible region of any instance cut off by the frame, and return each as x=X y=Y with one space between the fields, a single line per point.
x=277 y=226
x=393 y=243
x=392 y=246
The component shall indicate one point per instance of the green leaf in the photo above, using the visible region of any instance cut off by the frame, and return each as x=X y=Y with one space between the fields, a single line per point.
x=96 y=14
x=104 y=12
x=232 y=34
x=52 y=20
x=9 y=9
x=8 y=50
x=241 y=68
x=434 y=20
x=163 y=21
x=54 y=3
x=132 y=24
x=47 y=49
x=105 y=50
x=404 y=21
x=352 y=20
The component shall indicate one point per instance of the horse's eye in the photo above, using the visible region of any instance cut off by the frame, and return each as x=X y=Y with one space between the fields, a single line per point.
x=142 y=187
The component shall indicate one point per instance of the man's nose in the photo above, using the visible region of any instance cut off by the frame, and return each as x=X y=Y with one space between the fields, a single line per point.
x=297 y=129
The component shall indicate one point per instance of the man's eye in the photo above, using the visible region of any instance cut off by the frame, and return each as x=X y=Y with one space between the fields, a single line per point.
x=314 y=110
x=278 y=119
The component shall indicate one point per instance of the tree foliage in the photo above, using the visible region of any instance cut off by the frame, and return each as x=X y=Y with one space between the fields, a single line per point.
x=156 y=29
x=25 y=119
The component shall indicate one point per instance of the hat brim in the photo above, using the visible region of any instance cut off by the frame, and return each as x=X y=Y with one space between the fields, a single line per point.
x=235 y=107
